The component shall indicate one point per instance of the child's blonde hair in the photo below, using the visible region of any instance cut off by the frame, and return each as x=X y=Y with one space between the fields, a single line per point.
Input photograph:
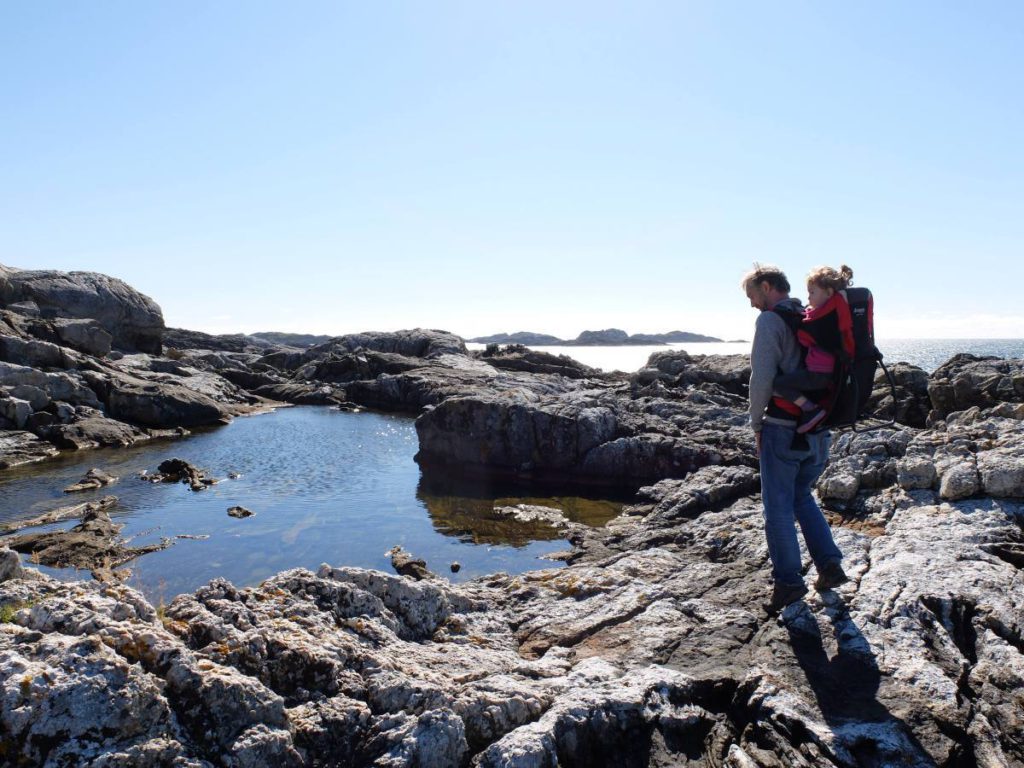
x=827 y=277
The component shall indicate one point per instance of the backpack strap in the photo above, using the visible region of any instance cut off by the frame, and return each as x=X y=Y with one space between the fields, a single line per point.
x=779 y=407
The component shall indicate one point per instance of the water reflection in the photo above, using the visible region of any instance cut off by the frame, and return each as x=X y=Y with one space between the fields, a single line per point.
x=479 y=521
x=325 y=487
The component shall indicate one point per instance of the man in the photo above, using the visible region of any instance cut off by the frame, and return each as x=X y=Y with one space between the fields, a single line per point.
x=788 y=471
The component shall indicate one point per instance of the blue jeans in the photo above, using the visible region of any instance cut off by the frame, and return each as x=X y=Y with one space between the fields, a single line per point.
x=787 y=477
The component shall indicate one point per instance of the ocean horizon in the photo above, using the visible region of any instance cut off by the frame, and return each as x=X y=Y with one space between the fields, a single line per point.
x=927 y=354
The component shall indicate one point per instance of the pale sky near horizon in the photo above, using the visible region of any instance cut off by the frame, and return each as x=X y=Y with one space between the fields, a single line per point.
x=330 y=167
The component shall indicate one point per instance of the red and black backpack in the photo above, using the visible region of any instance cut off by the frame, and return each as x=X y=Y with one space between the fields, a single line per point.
x=845 y=328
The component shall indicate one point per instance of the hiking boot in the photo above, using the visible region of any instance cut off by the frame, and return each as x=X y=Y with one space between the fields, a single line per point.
x=783 y=595
x=811 y=419
x=830 y=576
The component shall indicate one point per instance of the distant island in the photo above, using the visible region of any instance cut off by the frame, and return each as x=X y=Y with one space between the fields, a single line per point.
x=606 y=338
x=292 y=339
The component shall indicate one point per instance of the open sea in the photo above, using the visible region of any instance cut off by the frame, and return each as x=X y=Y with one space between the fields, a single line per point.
x=928 y=354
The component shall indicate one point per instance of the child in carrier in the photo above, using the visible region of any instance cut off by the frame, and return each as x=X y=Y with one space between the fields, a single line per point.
x=819 y=364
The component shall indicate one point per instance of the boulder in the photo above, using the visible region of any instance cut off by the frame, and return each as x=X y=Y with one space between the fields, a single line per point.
x=301 y=393
x=94 y=478
x=164 y=405
x=418 y=342
x=68 y=387
x=91 y=429
x=181 y=339
x=366 y=364
x=15 y=411
x=181 y=471
x=966 y=380
x=912 y=403
x=10 y=565
x=84 y=335
x=589 y=436
x=36 y=397
x=133 y=320
x=515 y=357
x=677 y=368
x=34 y=353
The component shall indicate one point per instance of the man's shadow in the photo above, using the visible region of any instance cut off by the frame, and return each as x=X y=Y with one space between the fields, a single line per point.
x=845 y=685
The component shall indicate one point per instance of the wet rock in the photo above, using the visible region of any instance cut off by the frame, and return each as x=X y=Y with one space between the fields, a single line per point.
x=60 y=514
x=93 y=545
x=301 y=393
x=596 y=436
x=167 y=406
x=532 y=513
x=406 y=565
x=18 y=448
x=181 y=471
x=455 y=567
x=239 y=512
x=91 y=429
x=94 y=478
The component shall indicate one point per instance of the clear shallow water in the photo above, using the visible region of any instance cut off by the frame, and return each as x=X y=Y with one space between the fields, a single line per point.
x=325 y=487
x=928 y=354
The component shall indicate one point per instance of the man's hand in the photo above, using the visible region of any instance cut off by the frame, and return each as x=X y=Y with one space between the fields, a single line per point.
x=757 y=441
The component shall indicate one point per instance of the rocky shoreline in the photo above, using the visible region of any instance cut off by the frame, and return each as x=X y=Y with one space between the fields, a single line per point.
x=649 y=647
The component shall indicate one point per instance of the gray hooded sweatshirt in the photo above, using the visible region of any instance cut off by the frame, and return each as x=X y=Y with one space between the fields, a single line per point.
x=775 y=350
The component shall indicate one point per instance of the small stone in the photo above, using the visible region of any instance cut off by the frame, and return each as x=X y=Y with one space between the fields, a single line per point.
x=94 y=478
x=915 y=473
x=239 y=512
x=959 y=482
x=456 y=566
x=15 y=411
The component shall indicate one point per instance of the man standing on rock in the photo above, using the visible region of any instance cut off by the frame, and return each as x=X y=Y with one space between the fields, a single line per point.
x=788 y=471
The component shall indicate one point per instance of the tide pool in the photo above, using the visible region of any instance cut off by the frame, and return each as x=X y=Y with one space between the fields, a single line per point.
x=325 y=487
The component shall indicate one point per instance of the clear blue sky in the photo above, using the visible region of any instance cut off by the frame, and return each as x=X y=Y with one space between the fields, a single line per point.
x=498 y=166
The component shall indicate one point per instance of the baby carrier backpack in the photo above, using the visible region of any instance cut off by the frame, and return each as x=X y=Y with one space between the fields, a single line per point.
x=845 y=328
